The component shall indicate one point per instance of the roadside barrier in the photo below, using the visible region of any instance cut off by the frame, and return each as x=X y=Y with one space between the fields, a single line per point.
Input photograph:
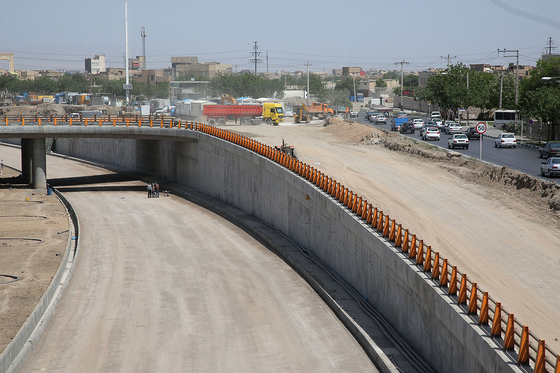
x=505 y=329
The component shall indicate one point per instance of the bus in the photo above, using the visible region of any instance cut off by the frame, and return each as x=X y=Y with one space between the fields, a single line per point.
x=503 y=117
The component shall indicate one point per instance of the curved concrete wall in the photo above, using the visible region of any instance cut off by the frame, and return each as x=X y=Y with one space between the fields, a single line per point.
x=422 y=312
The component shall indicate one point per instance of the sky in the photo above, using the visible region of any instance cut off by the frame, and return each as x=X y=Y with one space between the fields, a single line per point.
x=373 y=34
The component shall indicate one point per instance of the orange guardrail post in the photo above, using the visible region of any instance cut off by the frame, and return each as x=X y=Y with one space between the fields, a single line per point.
x=23 y=121
x=151 y=122
x=363 y=209
x=70 y=121
x=100 y=121
x=369 y=217
x=55 y=121
x=412 y=252
x=355 y=204
x=398 y=239
x=86 y=122
x=39 y=121
x=392 y=231
x=386 y=226
x=349 y=201
x=463 y=290
x=161 y=125
x=483 y=319
x=540 y=360
x=453 y=283
x=405 y=241
x=114 y=122
x=380 y=222
x=139 y=122
x=523 y=356
x=497 y=321
x=444 y=270
x=557 y=370
x=374 y=219
x=420 y=256
x=6 y=119
x=428 y=262
x=473 y=302
x=435 y=271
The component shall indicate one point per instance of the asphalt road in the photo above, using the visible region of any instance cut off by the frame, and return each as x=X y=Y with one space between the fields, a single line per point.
x=524 y=159
x=163 y=285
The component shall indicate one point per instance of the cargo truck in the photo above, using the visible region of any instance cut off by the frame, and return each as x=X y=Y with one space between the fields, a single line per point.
x=270 y=113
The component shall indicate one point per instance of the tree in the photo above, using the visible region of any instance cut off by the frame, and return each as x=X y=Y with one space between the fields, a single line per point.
x=380 y=83
x=335 y=98
x=540 y=98
x=392 y=75
x=246 y=84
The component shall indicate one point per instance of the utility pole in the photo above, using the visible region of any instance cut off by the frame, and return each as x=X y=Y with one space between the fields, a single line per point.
x=510 y=53
x=308 y=94
x=143 y=34
x=448 y=58
x=501 y=88
x=255 y=58
x=267 y=62
x=127 y=85
x=402 y=80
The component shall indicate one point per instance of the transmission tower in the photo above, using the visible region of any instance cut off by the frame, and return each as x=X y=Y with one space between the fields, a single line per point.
x=550 y=48
x=255 y=58
x=143 y=34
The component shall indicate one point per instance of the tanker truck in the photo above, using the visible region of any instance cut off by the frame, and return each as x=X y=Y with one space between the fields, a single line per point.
x=270 y=113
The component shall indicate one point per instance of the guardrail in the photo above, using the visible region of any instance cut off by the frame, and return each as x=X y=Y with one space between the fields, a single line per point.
x=505 y=329
x=137 y=120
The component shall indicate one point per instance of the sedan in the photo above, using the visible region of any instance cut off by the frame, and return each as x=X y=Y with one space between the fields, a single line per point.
x=458 y=141
x=472 y=133
x=505 y=140
x=453 y=128
x=381 y=119
x=418 y=123
x=550 y=149
x=551 y=167
x=432 y=133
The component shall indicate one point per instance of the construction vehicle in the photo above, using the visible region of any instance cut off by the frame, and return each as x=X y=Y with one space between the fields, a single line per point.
x=301 y=114
x=270 y=113
x=320 y=110
x=285 y=148
x=227 y=98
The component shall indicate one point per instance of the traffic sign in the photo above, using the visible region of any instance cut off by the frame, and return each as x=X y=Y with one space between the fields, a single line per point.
x=481 y=127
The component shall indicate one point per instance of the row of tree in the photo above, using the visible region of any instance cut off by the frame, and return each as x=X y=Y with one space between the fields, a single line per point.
x=12 y=86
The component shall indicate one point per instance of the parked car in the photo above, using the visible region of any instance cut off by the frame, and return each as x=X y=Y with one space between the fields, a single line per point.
x=407 y=127
x=381 y=119
x=551 y=149
x=431 y=133
x=458 y=141
x=418 y=123
x=452 y=128
x=551 y=167
x=472 y=134
x=505 y=140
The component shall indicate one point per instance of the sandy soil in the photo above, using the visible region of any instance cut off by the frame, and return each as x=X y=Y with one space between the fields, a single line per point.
x=33 y=238
x=499 y=226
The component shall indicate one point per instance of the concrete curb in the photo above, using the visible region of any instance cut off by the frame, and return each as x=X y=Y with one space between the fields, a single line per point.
x=13 y=357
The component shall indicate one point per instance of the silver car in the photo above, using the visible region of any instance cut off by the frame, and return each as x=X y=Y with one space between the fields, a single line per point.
x=458 y=141
x=452 y=128
x=551 y=167
x=505 y=140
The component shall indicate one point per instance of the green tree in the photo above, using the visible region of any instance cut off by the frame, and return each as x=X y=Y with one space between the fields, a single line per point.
x=392 y=75
x=246 y=84
x=540 y=98
x=380 y=83
x=71 y=82
x=410 y=81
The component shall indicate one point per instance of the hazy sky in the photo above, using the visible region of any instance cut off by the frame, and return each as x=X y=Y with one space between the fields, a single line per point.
x=60 y=34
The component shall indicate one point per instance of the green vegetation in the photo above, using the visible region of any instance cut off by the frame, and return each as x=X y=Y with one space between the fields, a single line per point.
x=247 y=84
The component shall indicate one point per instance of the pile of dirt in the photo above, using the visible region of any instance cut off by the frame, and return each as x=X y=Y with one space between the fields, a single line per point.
x=541 y=192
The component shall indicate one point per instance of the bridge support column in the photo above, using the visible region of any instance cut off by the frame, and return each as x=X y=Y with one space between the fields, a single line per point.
x=34 y=162
x=39 y=162
x=26 y=160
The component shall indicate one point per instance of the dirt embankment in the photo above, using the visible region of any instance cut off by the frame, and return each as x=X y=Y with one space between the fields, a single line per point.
x=542 y=193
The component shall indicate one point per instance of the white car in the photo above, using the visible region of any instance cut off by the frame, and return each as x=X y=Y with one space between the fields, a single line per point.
x=452 y=127
x=551 y=167
x=418 y=123
x=353 y=114
x=505 y=140
x=431 y=133
x=381 y=119
x=458 y=141
x=436 y=114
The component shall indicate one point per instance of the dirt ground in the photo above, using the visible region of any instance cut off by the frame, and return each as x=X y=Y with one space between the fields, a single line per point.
x=33 y=238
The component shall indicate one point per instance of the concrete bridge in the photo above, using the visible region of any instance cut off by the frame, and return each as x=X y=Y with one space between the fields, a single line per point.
x=423 y=296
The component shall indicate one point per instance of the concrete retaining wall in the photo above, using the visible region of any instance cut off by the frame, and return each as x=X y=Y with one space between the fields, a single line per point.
x=439 y=329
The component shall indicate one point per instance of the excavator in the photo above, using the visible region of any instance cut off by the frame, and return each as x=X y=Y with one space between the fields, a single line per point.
x=227 y=98
x=301 y=113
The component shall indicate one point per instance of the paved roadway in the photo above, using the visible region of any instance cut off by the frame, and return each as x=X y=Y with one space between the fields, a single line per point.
x=524 y=159
x=162 y=285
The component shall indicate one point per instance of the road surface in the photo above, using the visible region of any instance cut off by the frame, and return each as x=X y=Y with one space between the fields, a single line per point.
x=163 y=285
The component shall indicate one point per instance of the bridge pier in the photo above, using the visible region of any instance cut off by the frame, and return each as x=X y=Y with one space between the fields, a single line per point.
x=34 y=162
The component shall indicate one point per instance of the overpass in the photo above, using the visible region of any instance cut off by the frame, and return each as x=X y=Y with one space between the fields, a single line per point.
x=467 y=330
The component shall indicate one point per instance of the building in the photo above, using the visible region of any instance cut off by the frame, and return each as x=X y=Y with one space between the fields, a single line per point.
x=96 y=64
x=524 y=70
x=352 y=71
x=191 y=66
x=181 y=90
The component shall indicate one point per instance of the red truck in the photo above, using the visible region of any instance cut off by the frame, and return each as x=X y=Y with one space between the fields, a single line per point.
x=271 y=113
